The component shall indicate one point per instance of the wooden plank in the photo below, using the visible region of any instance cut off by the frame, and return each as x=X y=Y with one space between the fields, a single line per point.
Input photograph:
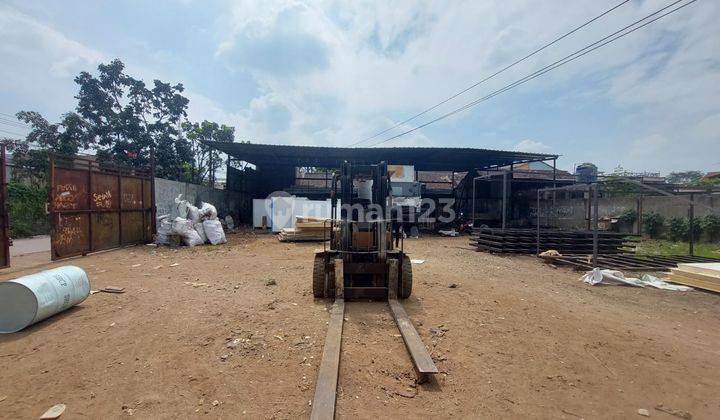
x=392 y=278
x=421 y=359
x=696 y=276
x=700 y=284
x=708 y=269
x=323 y=406
x=339 y=278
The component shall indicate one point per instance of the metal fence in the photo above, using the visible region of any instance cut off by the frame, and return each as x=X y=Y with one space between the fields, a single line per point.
x=4 y=221
x=95 y=207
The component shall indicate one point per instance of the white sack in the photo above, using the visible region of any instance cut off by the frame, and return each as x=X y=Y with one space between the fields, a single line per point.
x=187 y=232
x=208 y=211
x=164 y=229
x=181 y=206
x=193 y=238
x=229 y=222
x=200 y=231
x=193 y=213
x=214 y=231
x=182 y=227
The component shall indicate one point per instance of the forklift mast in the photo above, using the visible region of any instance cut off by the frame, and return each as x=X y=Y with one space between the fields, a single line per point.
x=361 y=212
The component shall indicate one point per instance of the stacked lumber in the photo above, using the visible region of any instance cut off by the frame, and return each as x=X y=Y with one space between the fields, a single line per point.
x=701 y=275
x=306 y=229
x=627 y=262
x=566 y=242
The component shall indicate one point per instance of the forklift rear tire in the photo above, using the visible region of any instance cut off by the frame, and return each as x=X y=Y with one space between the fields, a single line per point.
x=406 y=278
x=319 y=276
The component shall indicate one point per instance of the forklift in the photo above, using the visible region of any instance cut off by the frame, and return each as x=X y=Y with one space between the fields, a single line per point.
x=362 y=237
x=362 y=263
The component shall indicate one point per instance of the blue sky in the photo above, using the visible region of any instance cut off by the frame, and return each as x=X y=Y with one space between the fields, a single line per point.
x=334 y=72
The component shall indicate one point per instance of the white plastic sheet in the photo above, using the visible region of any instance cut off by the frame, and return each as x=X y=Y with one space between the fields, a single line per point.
x=598 y=276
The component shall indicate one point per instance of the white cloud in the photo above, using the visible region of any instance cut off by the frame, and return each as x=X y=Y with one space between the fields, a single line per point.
x=372 y=63
x=35 y=53
x=61 y=54
x=442 y=47
x=532 y=146
x=695 y=145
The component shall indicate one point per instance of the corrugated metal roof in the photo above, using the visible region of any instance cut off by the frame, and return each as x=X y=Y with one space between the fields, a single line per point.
x=423 y=158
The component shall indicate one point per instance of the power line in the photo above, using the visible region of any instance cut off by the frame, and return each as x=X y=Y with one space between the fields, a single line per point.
x=12 y=133
x=474 y=85
x=577 y=54
x=13 y=123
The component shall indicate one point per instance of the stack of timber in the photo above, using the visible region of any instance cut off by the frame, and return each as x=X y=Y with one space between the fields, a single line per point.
x=628 y=262
x=306 y=229
x=567 y=242
x=700 y=275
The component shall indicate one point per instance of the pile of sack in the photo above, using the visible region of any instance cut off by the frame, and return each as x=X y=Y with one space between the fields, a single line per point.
x=195 y=226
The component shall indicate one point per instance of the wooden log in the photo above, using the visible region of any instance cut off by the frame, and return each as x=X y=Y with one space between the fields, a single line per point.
x=423 y=363
x=323 y=405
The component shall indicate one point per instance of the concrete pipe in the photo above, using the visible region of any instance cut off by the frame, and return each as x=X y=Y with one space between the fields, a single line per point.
x=29 y=299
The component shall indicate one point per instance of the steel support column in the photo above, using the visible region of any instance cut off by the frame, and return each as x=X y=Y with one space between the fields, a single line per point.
x=595 y=200
x=691 y=219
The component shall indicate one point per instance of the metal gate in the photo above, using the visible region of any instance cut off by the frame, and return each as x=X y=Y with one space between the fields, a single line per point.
x=4 y=220
x=95 y=207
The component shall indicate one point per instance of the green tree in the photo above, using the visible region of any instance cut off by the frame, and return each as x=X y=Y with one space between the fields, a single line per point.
x=628 y=216
x=131 y=121
x=684 y=177
x=653 y=224
x=696 y=227
x=711 y=226
x=708 y=182
x=67 y=137
x=196 y=133
x=677 y=228
x=30 y=155
x=615 y=185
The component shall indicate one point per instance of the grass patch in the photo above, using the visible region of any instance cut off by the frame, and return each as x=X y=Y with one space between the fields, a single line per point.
x=665 y=247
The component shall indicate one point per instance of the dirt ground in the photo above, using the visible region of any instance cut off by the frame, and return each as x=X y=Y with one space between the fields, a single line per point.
x=209 y=338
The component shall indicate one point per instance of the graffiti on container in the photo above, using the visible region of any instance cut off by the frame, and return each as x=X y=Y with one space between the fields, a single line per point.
x=129 y=200
x=103 y=200
x=557 y=211
x=68 y=230
x=104 y=220
x=66 y=197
